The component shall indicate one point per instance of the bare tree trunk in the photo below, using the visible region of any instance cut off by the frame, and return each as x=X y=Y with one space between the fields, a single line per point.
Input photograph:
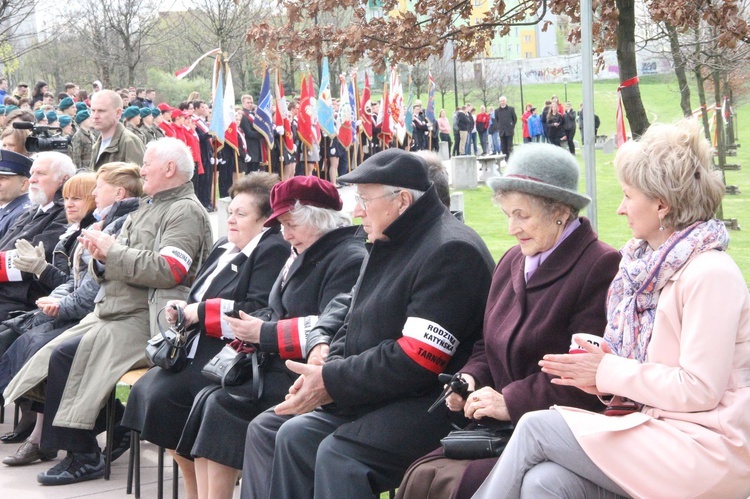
x=631 y=96
x=730 y=135
x=702 y=99
x=679 y=69
x=720 y=144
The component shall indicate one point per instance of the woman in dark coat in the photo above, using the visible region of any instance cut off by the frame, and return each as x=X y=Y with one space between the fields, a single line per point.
x=325 y=261
x=327 y=255
x=550 y=286
x=555 y=123
x=237 y=275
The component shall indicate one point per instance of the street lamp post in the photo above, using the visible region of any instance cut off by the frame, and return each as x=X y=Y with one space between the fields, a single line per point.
x=565 y=81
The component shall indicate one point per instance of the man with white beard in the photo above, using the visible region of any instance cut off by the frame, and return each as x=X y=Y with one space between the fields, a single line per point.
x=41 y=225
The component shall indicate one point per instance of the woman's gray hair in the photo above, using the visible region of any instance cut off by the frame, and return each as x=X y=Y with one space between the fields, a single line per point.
x=169 y=149
x=673 y=163
x=323 y=219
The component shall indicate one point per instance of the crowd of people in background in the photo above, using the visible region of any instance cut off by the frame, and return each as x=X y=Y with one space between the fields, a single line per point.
x=494 y=128
x=486 y=131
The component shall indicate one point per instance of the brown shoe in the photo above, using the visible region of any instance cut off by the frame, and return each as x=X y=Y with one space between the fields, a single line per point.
x=29 y=453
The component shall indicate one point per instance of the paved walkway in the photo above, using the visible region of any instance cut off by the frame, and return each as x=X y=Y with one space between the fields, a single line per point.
x=20 y=482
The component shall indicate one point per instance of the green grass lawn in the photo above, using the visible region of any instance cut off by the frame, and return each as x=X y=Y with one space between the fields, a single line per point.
x=662 y=104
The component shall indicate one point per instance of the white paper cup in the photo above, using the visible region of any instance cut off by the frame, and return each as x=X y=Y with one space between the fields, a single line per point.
x=589 y=338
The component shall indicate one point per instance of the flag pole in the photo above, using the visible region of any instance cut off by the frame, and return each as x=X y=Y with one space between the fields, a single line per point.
x=214 y=175
x=281 y=138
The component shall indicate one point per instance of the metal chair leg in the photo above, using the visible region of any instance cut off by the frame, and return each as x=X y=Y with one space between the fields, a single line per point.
x=175 y=479
x=137 y=453
x=131 y=461
x=110 y=415
x=160 y=475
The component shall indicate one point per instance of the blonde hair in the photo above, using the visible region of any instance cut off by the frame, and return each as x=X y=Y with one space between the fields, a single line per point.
x=81 y=185
x=125 y=175
x=673 y=163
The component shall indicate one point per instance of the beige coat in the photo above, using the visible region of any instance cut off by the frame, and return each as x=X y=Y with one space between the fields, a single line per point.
x=692 y=438
x=137 y=281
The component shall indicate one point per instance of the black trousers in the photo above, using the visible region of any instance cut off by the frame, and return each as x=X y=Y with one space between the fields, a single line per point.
x=202 y=185
x=571 y=145
x=58 y=437
x=309 y=461
x=506 y=144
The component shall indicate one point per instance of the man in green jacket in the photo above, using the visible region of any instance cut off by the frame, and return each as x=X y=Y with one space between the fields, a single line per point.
x=115 y=143
x=152 y=261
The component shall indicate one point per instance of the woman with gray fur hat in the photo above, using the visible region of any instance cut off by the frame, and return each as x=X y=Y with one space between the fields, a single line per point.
x=548 y=287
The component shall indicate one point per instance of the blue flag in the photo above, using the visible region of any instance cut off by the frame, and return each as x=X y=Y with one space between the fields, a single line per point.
x=325 y=104
x=263 y=118
x=409 y=119
x=217 y=127
x=352 y=102
x=430 y=111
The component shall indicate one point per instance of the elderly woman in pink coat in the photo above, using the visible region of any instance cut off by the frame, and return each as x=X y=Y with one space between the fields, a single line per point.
x=676 y=360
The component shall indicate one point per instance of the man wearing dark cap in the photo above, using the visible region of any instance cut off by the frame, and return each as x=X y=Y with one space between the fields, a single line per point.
x=115 y=143
x=14 y=187
x=131 y=118
x=351 y=426
x=67 y=106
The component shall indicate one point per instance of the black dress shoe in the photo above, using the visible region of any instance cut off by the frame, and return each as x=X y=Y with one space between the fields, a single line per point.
x=29 y=453
x=15 y=438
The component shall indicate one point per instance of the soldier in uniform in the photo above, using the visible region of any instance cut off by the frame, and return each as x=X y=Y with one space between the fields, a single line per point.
x=83 y=140
x=131 y=118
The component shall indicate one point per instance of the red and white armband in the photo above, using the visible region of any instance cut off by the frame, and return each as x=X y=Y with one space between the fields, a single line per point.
x=8 y=272
x=428 y=344
x=292 y=336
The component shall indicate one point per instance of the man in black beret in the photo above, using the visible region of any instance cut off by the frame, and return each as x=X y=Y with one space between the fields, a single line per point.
x=14 y=187
x=354 y=422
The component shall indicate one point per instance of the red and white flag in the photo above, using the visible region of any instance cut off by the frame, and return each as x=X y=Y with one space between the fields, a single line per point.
x=182 y=73
x=621 y=134
x=281 y=117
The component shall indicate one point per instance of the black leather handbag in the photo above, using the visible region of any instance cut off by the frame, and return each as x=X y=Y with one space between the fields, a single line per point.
x=169 y=350
x=231 y=368
x=479 y=442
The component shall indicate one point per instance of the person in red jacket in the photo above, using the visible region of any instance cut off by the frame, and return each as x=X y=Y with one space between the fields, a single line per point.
x=525 y=122
x=166 y=119
x=192 y=142
x=482 y=123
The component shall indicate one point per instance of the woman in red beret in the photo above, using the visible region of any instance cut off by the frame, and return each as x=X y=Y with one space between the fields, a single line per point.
x=327 y=253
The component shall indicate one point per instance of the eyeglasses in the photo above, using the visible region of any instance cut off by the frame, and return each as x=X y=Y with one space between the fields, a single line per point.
x=362 y=202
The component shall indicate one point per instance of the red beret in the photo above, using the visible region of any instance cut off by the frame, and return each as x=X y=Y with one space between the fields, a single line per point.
x=310 y=191
x=164 y=107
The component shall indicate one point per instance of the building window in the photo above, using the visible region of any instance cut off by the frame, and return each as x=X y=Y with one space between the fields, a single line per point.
x=478 y=3
x=528 y=55
x=527 y=38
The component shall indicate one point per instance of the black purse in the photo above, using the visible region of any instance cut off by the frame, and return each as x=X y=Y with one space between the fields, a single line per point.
x=479 y=442
x=231 y=368
x=169 y=350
